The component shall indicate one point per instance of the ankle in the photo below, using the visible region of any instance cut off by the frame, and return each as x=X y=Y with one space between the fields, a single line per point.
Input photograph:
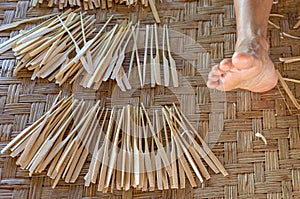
x=253 y=41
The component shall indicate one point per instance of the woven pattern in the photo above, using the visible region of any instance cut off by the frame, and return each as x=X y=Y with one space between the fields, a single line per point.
x=255 y=170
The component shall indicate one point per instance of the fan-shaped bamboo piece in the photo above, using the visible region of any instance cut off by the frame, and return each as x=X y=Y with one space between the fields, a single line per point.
x=48 y=50
x=128 y=149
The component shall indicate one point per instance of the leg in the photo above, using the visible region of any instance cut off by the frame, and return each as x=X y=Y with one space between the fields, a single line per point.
x=250 y=67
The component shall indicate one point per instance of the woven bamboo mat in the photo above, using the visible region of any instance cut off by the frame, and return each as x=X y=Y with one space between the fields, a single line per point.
x=256 y=170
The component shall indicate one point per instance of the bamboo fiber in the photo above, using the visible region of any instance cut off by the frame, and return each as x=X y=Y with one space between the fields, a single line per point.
x=47 y=49
x=255 y=170
x=103 y=4
x=62 y=139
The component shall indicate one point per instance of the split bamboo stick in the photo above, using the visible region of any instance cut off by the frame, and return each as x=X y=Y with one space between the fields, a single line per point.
x=131 y=147
x=95 y=4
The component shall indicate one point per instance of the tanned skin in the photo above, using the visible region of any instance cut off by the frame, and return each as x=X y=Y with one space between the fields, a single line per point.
x=250 y=67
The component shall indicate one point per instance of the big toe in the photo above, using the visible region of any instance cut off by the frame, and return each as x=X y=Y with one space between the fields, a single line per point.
x=242 y=60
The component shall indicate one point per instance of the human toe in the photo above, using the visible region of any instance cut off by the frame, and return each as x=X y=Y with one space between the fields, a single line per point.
x=212 y=84
x=242 y=60
x=226 y=65
x=213 y=76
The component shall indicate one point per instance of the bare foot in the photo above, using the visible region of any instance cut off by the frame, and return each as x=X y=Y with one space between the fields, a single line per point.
x=250 y=68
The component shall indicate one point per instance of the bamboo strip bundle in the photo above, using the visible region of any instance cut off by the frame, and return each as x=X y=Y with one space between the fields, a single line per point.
x=103 y=4
x=154 y=61
x=24 y=21
x=48 y=49
x=129 y=148
x=107 y=59
x=59 y=50
x=58 y=140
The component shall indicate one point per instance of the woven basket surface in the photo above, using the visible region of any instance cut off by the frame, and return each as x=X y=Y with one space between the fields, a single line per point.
x=256 y=170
